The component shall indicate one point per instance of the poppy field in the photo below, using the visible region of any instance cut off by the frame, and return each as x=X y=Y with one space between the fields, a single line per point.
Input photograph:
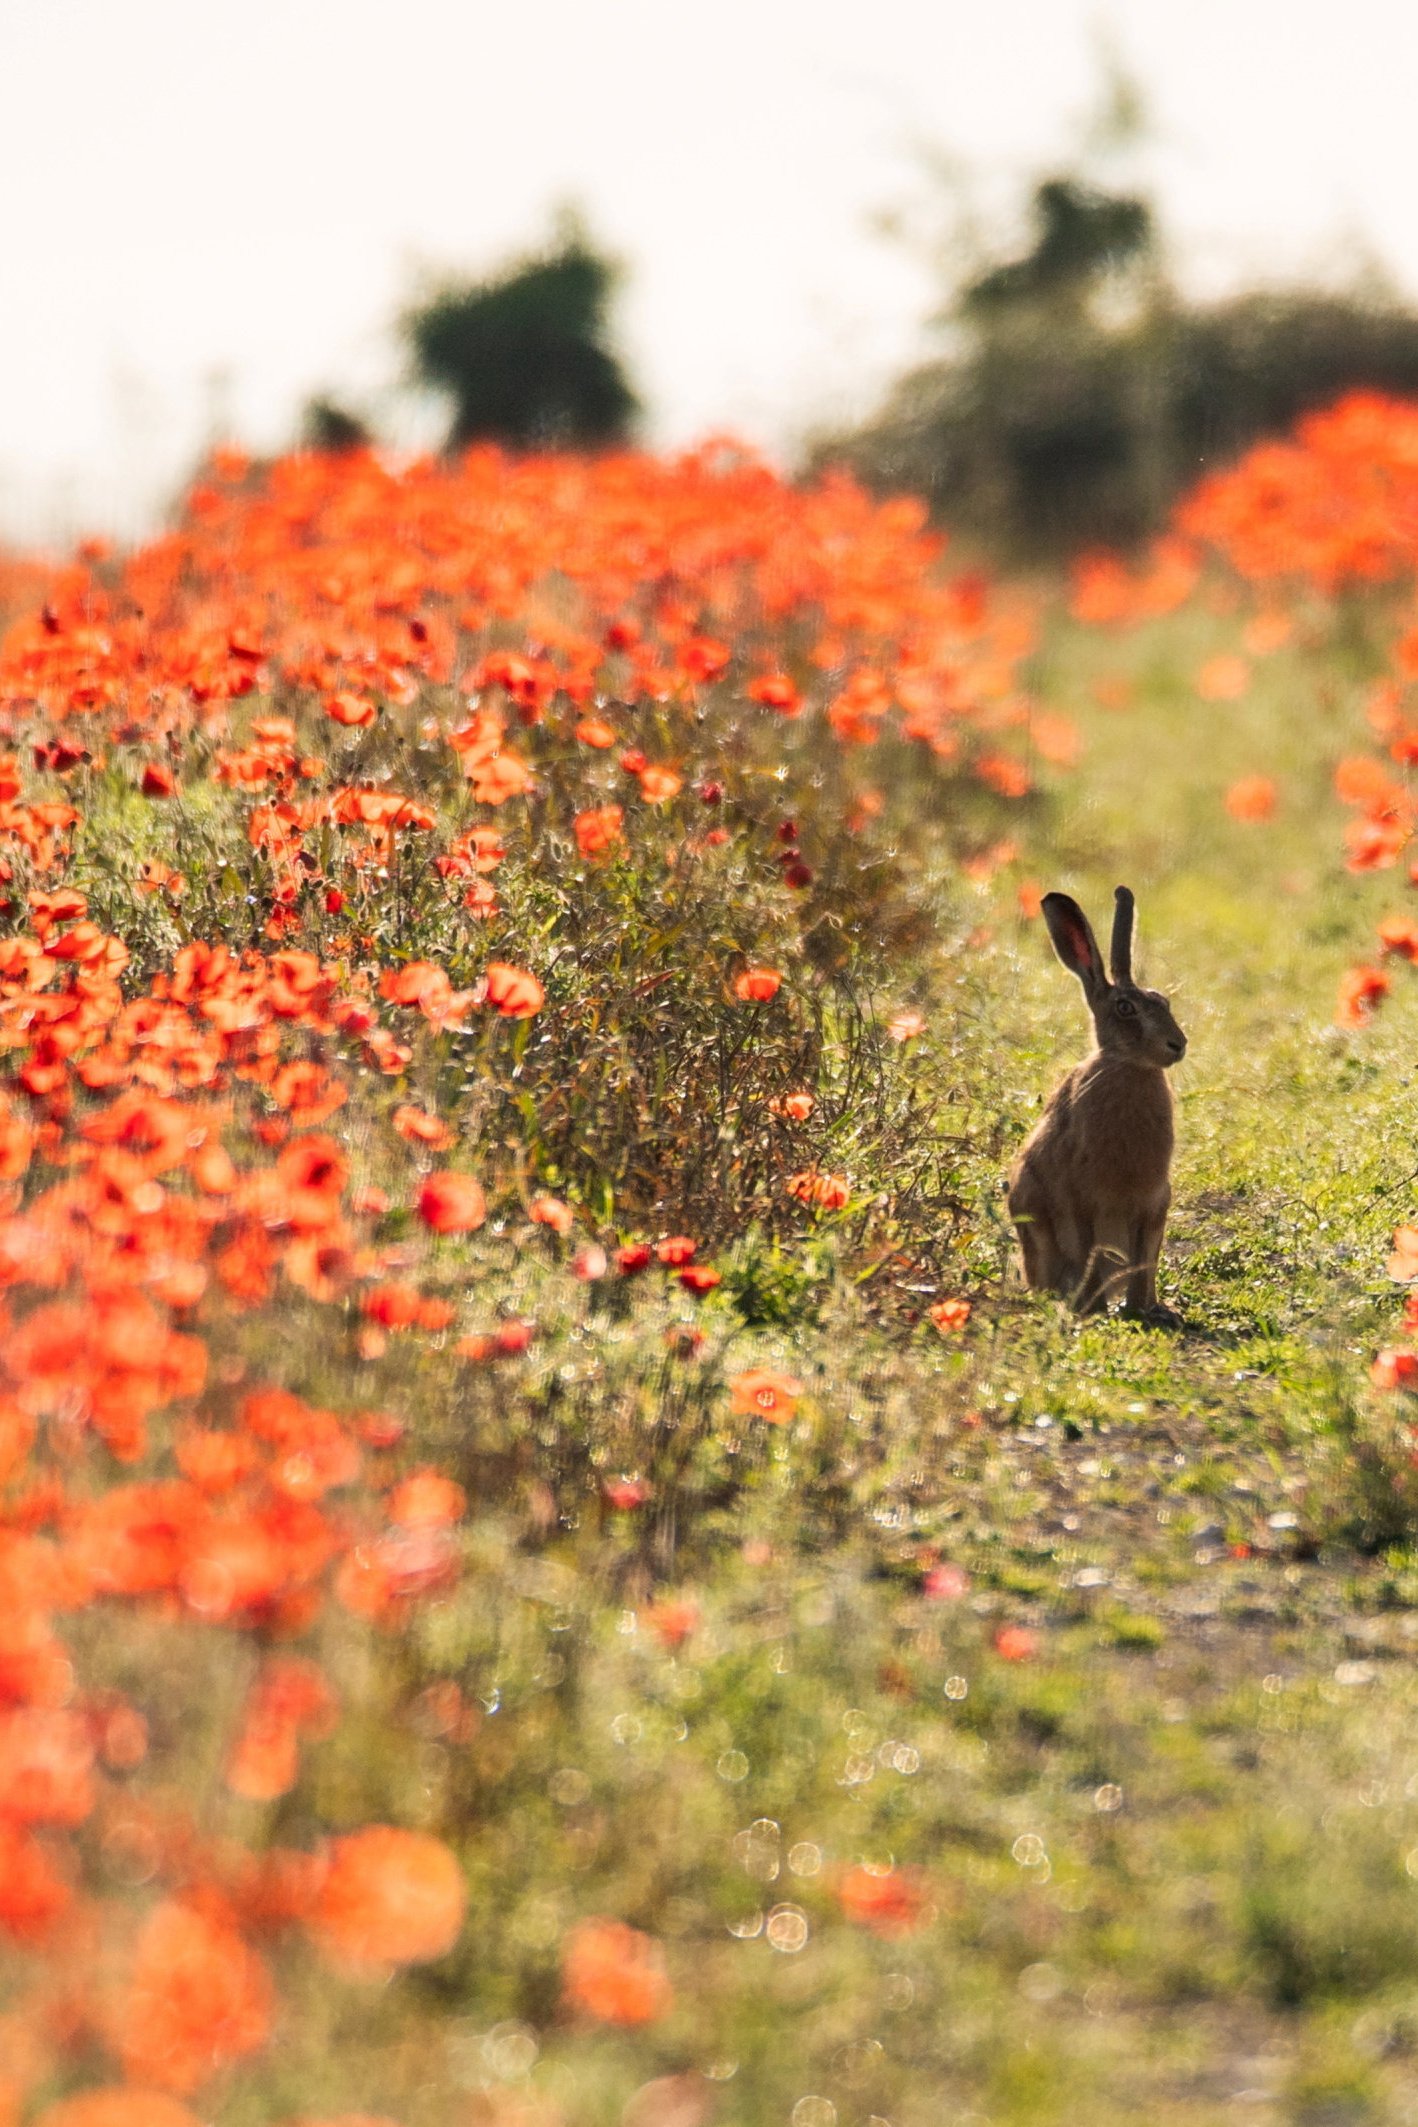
x=553 y=1575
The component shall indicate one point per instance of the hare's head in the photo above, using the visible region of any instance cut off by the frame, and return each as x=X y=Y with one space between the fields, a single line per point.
x=1130 y=1022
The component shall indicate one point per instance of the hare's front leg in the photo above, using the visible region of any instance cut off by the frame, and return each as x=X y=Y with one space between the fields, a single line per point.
x=1108 y=1263
x=1147 y=1249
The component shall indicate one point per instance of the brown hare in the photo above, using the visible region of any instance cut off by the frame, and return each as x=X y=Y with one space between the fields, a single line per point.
x=1090 y=1189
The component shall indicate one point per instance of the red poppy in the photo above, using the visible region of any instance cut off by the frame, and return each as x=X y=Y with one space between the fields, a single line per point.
x=1395 y=1369
x=699 y=1278
x=390 y=1897
x=761 y=1392
x=550 y=1211
x=1252 y=798
x=614 y=1973
x=599 y=830
x=512 y=991
x=427 y=1499
x=824 y=1192
x=891 y=1901
x=452 y=1203
x=1361 y=990
x=196 y=1999
x=117 y=2106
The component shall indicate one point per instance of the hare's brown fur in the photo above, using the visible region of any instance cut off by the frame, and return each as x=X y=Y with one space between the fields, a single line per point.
x=1090 y=1189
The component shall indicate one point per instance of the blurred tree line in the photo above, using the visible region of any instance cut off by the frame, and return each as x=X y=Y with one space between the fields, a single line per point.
x=1076 y=394
x=1081 y=393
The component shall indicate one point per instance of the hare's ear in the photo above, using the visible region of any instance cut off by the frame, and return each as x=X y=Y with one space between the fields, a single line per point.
x=1124 y=917
x=1074 y=941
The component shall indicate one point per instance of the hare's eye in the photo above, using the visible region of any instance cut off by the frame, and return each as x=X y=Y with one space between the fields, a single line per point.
x=1125 y=1008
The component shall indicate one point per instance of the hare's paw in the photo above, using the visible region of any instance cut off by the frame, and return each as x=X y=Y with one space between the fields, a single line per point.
x=1155 y=1317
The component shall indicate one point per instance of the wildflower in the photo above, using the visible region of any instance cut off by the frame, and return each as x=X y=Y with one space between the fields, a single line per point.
x=763 y=1393
x=776 y=691
x=598 y=830
x=196 y=1999
x=550 y=1211
x=393 y=1304
x=699 y=1278
x=34 y=1890
x=625 y=1494
x=389 y=1897
x=1010 y=778
x=824 y=1192
x=289 y=1698
x=1016 y=1643
x=117 y=2105
x=1361 y=989
x=1393 y=1368
x=421 y=1128
x=672 y=1620
x=512 y=991
x=347 y=2119
x=452 y=1203
x=1252 y=798
x=906 y=1025
x=427 y=1499
x=1359 y=779
x=614 y=1973
x=427 y=987
x=950 y=1315
x=674 y=1249
x=890 y=1902
x=1402 y=1265
x=702 y=657
x=1223 y=679
x=757 y=985
x=792 y=1107
x=1399 y=935
x=632 y=1258
x=1375 y=844
x=658 y=785
x=158 y=780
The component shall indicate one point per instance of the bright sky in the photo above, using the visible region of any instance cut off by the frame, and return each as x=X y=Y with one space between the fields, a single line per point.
x=211 y=208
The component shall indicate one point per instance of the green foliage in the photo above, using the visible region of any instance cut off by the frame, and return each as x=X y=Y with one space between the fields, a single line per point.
x=1081 y=234
x=1082 y=393
x=524 y=356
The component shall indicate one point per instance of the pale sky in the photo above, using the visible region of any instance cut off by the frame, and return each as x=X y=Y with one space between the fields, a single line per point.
x=210 y=210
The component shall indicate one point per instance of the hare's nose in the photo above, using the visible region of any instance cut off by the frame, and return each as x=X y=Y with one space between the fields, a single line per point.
x=1177 y=1043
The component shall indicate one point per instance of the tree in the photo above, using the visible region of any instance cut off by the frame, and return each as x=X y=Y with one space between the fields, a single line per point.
x=1079 y=392
x=524 y=356
x=1081 y=235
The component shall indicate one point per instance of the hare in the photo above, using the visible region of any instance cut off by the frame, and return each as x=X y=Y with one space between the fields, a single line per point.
x=1089 y=1192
